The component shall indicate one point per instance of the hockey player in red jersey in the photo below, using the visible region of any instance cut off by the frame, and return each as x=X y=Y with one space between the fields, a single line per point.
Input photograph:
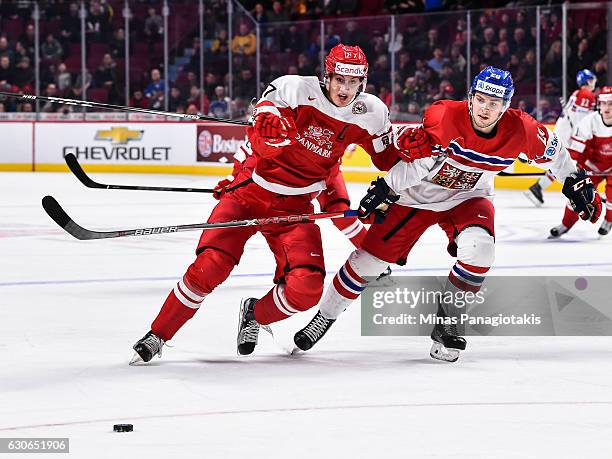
x=579 y=105
x=591 y=146
x=447 y=179
x=300 y=131
x=334 y=198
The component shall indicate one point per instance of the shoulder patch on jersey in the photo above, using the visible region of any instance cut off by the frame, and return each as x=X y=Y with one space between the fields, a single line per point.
x=553 y=143
x=359 y=108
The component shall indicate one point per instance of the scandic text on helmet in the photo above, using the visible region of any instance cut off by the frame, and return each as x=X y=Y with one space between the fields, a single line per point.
x=350 y=69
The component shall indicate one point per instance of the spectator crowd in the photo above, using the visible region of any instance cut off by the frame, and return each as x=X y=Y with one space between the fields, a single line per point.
x=428 y=51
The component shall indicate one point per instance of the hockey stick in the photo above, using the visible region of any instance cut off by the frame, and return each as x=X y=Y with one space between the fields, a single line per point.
x=521 y=174
x=540 y=174
x=77 y=170
x=59 y=216
x=122 y=108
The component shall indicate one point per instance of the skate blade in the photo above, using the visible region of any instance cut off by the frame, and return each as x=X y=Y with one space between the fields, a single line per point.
x=136 y=360
x=296 y=351
x=529 y=195
x=240 y=312
x=552 y=236
x=439 y=352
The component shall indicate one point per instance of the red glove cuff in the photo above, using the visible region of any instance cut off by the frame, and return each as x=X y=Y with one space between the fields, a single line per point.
x=413 y=143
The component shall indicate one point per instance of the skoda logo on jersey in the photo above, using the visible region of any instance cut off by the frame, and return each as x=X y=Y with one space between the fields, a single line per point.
x=359 y=108
x=491 y=89
x=205 y=143
x=550 y=151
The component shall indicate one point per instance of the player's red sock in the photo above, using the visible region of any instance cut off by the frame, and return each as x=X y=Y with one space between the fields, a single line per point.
x=273 y=306
x=302 y=290
x=210 y=268
x=352 y=228
x=179 y=307
x=569 y=217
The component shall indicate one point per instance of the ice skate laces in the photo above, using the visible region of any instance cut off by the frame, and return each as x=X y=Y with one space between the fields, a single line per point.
x=154 y=344
x=250 y=332
x=450 y=329
x=317 y=327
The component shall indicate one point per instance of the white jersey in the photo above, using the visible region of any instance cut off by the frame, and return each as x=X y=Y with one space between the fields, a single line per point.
x=580 y=104
x=469 y=161
x=301 y=164
x=591 y=144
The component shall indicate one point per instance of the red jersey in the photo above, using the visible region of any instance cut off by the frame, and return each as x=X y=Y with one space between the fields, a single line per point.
x=591 y=144
x=468 y=160
x=301 y=164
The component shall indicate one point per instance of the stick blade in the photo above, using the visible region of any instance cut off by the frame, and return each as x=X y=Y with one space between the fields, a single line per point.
x=59 y=216
x=55 y=211
x=77 y=170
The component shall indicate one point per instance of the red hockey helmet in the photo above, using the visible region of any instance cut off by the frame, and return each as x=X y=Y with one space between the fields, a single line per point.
x=605 y=93
x=346 y=60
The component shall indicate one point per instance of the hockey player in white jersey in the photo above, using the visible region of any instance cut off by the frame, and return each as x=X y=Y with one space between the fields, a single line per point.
x=447 y=179
x=579 y=105
x=591 y=146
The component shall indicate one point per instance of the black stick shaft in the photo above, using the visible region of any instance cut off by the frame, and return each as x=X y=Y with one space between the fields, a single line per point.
x=123 y=108
x=77 y=170
x=59 y=216
x=540 y=174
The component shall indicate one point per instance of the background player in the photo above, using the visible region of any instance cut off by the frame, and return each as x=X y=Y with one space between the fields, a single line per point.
x=301 y=130
x=591 y=145
x=474 y=140
x=579 y=105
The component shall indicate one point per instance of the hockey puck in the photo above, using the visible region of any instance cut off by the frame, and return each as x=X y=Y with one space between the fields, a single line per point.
x=123 y=427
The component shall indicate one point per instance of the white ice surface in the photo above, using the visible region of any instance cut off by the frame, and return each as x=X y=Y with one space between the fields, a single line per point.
x=71 y=310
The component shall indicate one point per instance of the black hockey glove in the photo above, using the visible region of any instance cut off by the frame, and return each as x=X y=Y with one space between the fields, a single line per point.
x=583 y=197
x=379 y=195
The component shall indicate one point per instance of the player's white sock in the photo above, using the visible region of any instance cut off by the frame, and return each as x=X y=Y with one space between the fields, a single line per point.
x=544 y=182
x=349 y=282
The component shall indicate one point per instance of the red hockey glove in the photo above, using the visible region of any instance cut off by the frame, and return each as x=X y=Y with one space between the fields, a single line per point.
x=270 y=126
x=583 y=196
x=221 y=187
x=413 y=143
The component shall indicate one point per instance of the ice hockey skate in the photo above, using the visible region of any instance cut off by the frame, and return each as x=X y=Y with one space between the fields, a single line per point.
x=605 y=228
x=146 y=348
x=248 y=327
x=446 y=343
x=313 y=332
x=446 y=340
x=558 y=231
x=535 y=195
